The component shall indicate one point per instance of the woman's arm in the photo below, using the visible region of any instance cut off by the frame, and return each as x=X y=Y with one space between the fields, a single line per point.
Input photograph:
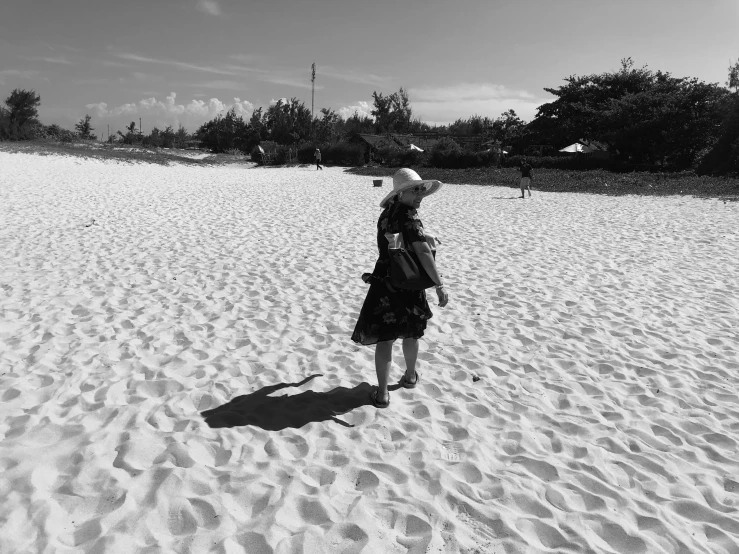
x=423 y=251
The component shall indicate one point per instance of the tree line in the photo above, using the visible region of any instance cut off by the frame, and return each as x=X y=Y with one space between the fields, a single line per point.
x=641 y=116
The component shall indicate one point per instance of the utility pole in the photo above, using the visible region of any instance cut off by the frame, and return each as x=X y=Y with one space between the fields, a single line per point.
x=312 y=92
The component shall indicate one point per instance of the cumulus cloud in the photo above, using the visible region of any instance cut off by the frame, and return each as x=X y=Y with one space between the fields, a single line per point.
x=362 y=108
x=211 y=7
x=165 y=112
x=447 y=104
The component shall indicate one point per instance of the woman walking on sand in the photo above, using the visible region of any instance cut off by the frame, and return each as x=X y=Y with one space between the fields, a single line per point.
x=527 y=175
x=389 y=314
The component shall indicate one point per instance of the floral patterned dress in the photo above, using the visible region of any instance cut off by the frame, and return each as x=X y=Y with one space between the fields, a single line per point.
x=385 y=314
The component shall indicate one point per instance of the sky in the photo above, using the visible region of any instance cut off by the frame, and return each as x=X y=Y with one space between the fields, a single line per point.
x=181 y=62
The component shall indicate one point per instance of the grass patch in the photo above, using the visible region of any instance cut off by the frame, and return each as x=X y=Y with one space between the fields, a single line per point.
x=593 y=182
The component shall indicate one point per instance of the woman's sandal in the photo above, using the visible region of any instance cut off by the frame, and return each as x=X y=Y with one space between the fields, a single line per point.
x=373 y=397
x=408 y=385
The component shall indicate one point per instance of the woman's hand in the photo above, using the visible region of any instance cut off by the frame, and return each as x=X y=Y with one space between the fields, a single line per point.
x=443 y=296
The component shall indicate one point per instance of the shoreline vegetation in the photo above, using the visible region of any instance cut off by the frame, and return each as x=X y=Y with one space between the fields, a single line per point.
x=132 y=154
x=545 y=179
x=596 y=181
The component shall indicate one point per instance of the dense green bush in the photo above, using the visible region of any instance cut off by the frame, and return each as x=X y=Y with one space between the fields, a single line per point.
x=339 y=153
x=397 y=157
x=283 y=155
x=722 y=158
x=387 y=155
x=305 y=153
x=449 y=155
x=578 y=162
x=52 y=132
x=445 y=153
x=343 y=153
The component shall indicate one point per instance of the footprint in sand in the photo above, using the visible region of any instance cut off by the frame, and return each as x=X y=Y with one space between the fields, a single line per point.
x=478 y=410
x=449 y=451
x=531 y=506
x=543 y=470
x=320 y=475
x=549 y=536
x=619 y=539
x=83 y=533
x=396 y=475
x=467 y=472
x=205 y=513
x=335 y=459
x=346 y=537
x=180 y=519
x=718 y=439
x=660 y=431
x=457 y=433
x=177 y=454
x=487 y=531
x=731 y=486
x=421 y=412
x=366 y=481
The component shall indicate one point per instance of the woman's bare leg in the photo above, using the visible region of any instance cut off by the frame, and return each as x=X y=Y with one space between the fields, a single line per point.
x=410 y=352
x=383 y=361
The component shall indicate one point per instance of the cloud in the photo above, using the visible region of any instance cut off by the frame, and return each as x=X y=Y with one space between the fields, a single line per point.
x=97 y=81
x=244 y=69
x=220 y=84
x=288 y=80
x=210 y=7
x=141 y=76
x=168 y=112
x=17 y=74
x=362 y=108
x=248 y=58
x=467 y=92
x=301 y=78
x=183 y=65
x=109 y=63
x=444 y=105
x=47 y=59
x=351 y=76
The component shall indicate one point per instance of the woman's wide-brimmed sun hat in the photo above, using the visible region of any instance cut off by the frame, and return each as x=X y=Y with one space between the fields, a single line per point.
x=406 y=178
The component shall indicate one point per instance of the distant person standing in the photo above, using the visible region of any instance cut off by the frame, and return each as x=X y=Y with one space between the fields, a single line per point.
x=527 y=174
x=317 y=155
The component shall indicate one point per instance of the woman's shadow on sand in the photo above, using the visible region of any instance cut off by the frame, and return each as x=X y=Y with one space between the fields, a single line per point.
x=277 y=413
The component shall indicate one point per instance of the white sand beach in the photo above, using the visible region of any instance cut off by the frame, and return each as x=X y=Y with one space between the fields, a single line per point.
x=579 y=394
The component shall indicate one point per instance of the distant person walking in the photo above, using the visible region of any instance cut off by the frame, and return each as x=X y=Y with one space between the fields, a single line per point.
x=527 y=175
x=317 y=155
x=389 y=314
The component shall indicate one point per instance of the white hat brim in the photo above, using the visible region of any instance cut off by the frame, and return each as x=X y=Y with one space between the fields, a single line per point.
x=435 y=186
